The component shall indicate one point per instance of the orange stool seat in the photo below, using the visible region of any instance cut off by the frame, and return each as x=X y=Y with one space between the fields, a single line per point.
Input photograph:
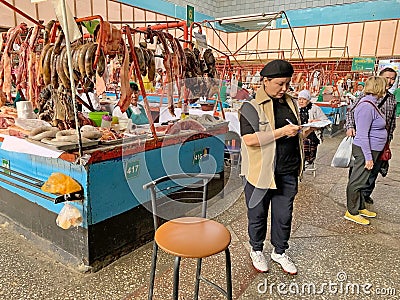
x=192 y=237
x=186 y=236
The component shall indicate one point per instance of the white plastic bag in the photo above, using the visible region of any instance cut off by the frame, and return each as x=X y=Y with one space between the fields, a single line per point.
x=69 y=216
x=343 y=154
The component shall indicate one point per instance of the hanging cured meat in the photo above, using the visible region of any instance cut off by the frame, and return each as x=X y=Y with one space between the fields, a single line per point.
x=5 y=63
x=126 y=91
x=109 y=37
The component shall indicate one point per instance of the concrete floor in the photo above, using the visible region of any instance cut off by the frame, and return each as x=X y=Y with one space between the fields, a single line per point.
x=336 y=259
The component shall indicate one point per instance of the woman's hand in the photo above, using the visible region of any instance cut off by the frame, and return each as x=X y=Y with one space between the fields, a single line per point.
x=262 y=138
x=351 y=132
x=369 y=164
x=290 y=130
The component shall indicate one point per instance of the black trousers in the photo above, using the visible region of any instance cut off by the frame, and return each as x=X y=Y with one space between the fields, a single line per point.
x=368 y=188
x=357 y=180
x=281 y=200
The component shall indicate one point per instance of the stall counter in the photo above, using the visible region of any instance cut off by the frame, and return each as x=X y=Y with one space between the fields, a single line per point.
x=114 y=219
x=231 y=116
x=336 y=114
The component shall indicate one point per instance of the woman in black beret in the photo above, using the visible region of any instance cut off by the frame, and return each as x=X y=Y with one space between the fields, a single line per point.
x=272 y=157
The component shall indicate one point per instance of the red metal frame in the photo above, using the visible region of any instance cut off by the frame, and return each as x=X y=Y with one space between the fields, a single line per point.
x=178 y=24
x=127 y=30
x=191 y=31
x=22 y=13
x=78 y=20
x=331 y=68
x=187 y=43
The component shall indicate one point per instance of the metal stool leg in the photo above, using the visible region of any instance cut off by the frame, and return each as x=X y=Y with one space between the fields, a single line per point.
x=228 y=274
x=176 y=277
x=198 y=272
x=153 y=270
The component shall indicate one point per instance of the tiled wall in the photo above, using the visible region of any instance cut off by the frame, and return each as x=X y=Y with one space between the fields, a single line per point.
x=208 y=7
x=380 y=38
x=224 y=8
x=300 y=12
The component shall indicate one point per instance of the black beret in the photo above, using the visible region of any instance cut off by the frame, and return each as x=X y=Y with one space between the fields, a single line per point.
x=277 y=68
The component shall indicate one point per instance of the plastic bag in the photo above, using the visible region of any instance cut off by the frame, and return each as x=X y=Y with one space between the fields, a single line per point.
x=343 y=154
x=59 y=183
x=69 y=216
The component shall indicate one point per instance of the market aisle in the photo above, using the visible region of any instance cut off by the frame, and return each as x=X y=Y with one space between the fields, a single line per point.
x=326 y=248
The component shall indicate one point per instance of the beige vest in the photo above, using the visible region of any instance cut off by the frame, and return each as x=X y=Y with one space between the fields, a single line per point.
x=258 y=162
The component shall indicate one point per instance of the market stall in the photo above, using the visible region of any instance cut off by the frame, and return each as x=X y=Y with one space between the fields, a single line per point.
x=108 y=158
x=114 y=219
x=336 y=114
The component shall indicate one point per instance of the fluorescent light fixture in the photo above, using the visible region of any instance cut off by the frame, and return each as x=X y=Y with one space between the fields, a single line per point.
x=248 y=18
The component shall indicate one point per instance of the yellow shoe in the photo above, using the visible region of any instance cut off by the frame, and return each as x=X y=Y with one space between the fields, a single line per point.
x=356 y=218
x=367 y=213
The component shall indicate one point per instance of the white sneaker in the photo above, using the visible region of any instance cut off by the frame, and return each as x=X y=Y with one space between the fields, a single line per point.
x=286 y=263
x=259 y=261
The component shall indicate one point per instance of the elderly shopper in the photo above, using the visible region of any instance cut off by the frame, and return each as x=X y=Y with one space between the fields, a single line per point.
x=272 y=157
x=369 y=141
x=309 y=113
x=387 y=106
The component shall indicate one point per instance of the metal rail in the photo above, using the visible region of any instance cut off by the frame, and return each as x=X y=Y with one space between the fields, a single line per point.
x=36 y=183
x=21 y=13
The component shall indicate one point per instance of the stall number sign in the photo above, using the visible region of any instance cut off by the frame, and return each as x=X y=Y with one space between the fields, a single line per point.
x=6 y=164
x=132 y=169
x=189 y=15
x=199 y=155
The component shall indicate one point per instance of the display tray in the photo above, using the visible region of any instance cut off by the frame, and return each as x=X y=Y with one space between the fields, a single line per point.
x=111 y=142
x=127 y=139
x=217 y=125
x=183 y=132
x=107 y=101
x=69 y=147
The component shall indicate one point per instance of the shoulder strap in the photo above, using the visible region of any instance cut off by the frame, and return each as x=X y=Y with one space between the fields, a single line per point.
x=355 y=103
x=373 y=104
x=379 y=112
x=383 y=100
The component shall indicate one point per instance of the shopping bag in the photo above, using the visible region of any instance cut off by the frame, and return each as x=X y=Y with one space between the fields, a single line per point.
x=343 y=154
